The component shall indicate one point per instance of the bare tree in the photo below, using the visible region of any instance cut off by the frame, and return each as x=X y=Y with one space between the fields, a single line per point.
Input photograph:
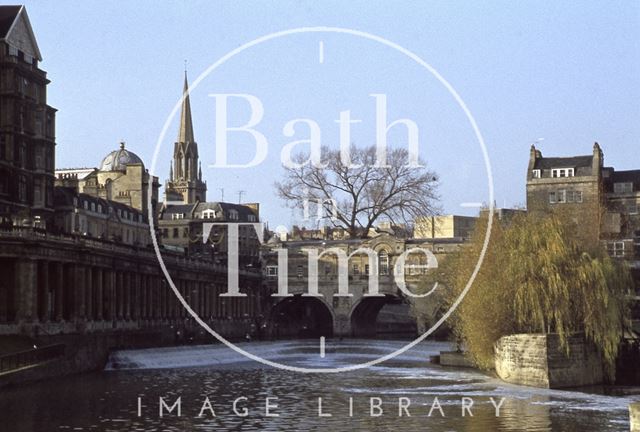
x=359 y=193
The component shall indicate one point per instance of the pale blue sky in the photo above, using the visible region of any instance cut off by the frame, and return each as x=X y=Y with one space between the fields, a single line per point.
x=565 y=71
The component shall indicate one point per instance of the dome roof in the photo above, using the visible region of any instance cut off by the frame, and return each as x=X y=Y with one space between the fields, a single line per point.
x=118 y=160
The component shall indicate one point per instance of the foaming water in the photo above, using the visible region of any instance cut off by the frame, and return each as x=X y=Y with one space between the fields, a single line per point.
x=108 y=401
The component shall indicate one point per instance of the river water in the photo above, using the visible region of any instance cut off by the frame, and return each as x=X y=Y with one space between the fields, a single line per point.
x=108 y=400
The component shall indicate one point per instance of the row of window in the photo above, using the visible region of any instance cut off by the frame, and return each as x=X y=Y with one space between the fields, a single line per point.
x=175 y=232
x=42 y=156
x=15 y=52
x=92 y=229
x=97 y=208
x=565 y=196
x=383 y=267
x=272 y=271
x=632 y=207
x=562 y=172
x=555 y=172
x=624 y=187
x=40 y=195
x=211 y=214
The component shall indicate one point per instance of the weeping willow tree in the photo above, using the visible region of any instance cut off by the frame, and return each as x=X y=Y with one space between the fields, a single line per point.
x=538 y=277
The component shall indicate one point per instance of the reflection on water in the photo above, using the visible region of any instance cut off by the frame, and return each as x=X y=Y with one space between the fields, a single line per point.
x=107 y=401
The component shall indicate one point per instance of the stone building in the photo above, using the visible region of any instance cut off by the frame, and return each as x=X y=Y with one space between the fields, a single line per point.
x=622 y=194
x=569 y=184
x=182 y=226
x=27 y=125
x=122 y=178
x=90 y=216
x=444 y=226
x=91 y=271
x=603 y=201
x=593 y=194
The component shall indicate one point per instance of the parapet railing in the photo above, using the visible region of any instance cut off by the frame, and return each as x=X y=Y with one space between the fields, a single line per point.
x=29 y=233
x=21 y=359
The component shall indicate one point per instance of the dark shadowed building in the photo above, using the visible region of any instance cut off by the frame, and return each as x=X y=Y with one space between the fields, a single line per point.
x=27 y=125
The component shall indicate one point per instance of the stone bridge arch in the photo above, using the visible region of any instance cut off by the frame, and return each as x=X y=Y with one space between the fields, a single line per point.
x=364 y=314
x=302 y=316
x=352 y=312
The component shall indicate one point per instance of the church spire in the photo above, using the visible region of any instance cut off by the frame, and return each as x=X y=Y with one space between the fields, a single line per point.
x=185 y=132
x=185 y=174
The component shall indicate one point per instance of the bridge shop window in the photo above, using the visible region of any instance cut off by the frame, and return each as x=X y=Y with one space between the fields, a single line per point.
x=356 y=269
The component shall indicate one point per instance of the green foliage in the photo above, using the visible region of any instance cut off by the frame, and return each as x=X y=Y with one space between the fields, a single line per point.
x=537 y=278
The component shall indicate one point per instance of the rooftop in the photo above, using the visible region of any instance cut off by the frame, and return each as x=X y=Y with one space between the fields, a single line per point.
x=564 y=162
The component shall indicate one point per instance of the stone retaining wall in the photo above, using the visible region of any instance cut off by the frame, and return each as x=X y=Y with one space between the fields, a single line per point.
x=634 y=416
x=85 y=353
x=538 y=360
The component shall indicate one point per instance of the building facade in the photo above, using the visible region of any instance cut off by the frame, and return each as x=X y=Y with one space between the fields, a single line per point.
x=604 y=202
x=89 y=216
x=183 y=225
x=27 y=125
x=122 y=178
x=75 y=256
x=444 y=226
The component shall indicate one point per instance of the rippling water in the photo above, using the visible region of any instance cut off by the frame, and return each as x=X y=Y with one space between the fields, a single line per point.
x=108 y=401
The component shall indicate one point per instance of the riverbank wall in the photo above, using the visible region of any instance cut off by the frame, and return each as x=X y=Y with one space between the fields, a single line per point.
x=634 y=416
x=80 y=353
x=538 y=360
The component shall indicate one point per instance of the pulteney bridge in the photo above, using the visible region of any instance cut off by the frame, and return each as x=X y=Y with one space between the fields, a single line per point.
x=357 y=314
